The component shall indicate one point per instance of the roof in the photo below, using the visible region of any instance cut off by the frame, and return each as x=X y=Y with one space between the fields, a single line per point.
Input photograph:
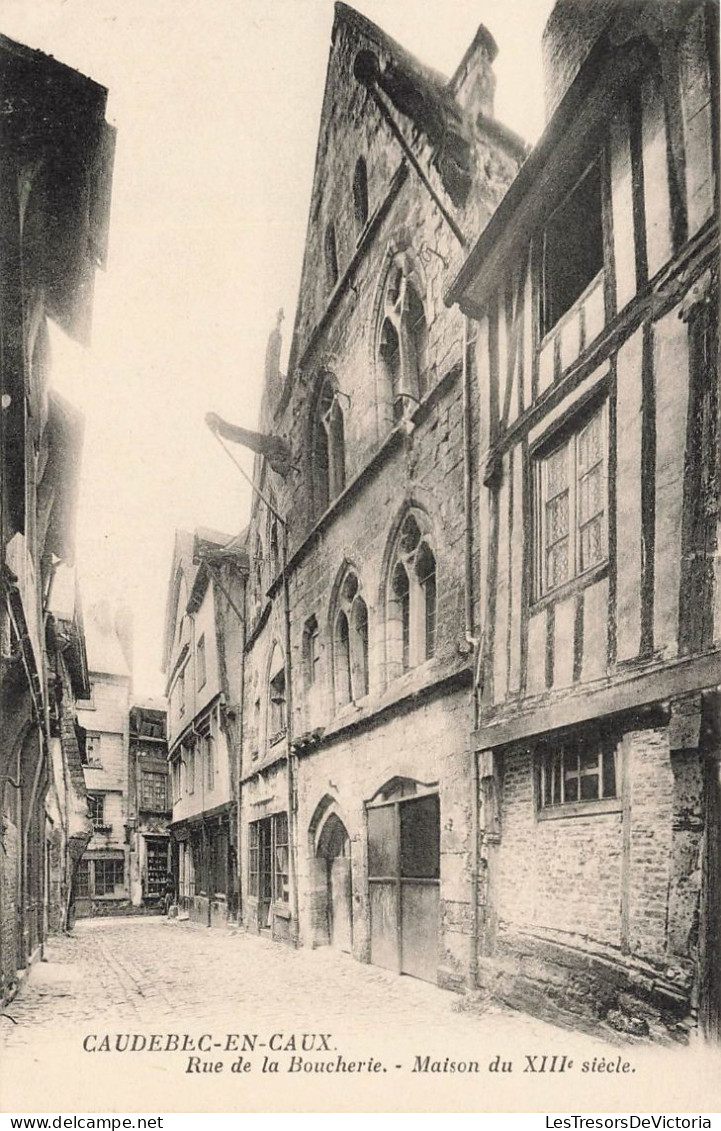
x=534 y=191
x=186 y=562
x=58 y=123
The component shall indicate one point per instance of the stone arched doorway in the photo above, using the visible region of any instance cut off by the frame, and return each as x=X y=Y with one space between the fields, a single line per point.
x=334 y=859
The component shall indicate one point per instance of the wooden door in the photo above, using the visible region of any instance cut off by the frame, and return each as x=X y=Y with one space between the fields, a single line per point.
x=403 y=882
x=419 y=886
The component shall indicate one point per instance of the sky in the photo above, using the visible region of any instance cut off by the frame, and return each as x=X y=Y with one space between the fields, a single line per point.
x=216 y=105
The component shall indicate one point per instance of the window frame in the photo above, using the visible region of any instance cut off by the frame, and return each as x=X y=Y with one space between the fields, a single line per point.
x=567 y=437
x=93 y=749
x=402 y=340
x=276 y=705
x=96 y=800
x=327 y=446
x=550 y=758
x=351 y=649
x=275 y=827
x=108 y=891
x=548 y=322
x=412 y=615
x=153 y=805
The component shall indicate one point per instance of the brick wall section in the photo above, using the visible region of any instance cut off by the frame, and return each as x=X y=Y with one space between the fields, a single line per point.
x=560 y=874
x=652 y=789
x=562 y=884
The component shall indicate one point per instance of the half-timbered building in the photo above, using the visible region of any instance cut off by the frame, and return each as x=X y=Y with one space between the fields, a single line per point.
x=593 y=300
x=202 y=661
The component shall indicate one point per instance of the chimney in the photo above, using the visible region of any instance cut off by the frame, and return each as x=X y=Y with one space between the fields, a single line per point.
x=474 y=84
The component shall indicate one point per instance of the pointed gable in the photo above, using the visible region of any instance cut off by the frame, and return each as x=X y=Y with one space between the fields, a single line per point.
x=438 y=119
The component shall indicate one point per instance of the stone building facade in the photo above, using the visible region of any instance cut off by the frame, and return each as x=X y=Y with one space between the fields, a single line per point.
x=355 y=802
x=102 y=882
x=203 y=663
x=149 y=804
x=55 y=151
x=592 y=296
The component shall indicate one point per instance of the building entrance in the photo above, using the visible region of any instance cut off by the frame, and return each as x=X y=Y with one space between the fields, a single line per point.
x=334 y=850
x=404 y=881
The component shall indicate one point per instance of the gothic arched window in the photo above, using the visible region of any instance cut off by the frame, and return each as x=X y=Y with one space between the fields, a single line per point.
x=350 y=643
x=328 y=448
x=277 y=708
x=412 y=597
x=331 y=256
x=402 y=345
x=360 y=194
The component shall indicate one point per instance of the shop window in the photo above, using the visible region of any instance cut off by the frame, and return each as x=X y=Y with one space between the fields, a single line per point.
x=268 y=863
x=109 y=875
x=200 y=656
x=253 y=858
x=153 y=791
x=403 y=342
x=577 y=770
x=572 y=248
x=360 y=194
x=328 y=447
x=281 y=885
x=350 y=643
x=572 y=504
x=412 y=597
x=82 y=880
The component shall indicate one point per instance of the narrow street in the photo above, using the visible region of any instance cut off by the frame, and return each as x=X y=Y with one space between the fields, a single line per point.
x=135 y=977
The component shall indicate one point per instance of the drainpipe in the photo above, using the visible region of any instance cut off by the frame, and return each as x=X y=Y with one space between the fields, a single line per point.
x=471 y=640
x=293 y=871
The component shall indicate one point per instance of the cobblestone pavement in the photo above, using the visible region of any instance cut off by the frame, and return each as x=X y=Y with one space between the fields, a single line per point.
x=149 y=976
